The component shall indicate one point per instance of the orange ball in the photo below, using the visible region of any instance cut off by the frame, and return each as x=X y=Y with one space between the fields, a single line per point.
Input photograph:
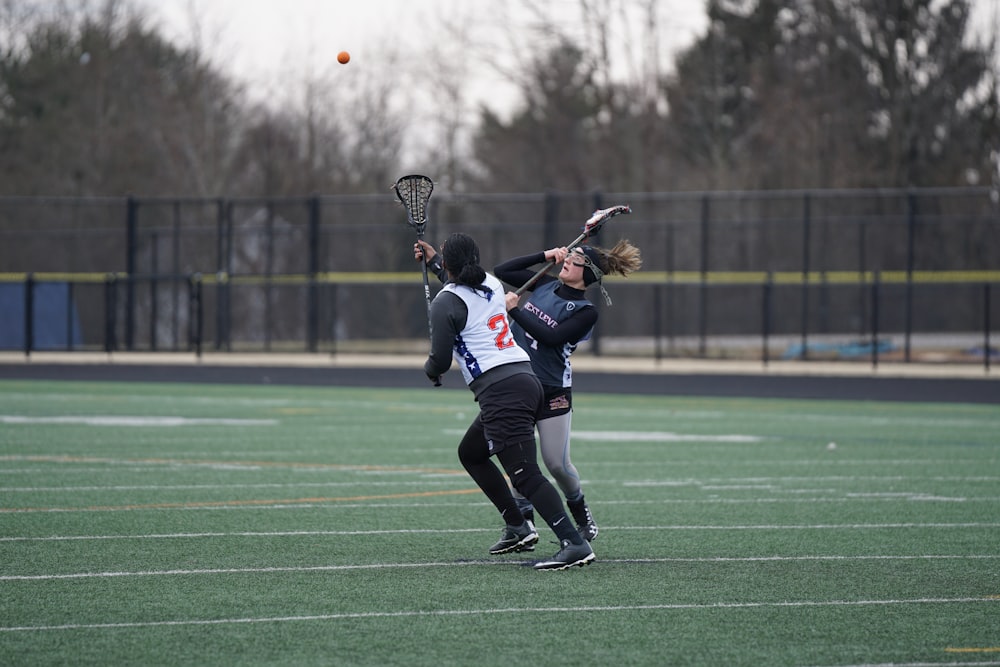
x=343 y=57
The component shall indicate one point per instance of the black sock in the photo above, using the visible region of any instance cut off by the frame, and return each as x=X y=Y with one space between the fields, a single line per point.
x=521 y=467
x=549 y=506
x=512 y=519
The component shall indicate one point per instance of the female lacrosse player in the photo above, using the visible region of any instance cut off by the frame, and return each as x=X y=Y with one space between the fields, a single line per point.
x=549 y=325
x=469 y=322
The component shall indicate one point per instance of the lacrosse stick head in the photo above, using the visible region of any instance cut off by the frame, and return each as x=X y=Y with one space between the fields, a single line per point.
x=600 y=216
x=597 y=220
x=414 y=192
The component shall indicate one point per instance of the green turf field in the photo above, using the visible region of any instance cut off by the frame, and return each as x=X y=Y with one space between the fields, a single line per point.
x=221 y=525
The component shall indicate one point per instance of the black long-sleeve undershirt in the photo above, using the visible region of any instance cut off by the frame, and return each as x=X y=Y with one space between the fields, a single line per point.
x=517 y=272
x=448 y=317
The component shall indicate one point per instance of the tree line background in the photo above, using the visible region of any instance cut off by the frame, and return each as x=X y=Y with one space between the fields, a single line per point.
x=95 y=101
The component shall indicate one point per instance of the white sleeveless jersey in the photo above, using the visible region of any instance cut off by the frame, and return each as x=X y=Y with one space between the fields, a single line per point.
x=486 y=341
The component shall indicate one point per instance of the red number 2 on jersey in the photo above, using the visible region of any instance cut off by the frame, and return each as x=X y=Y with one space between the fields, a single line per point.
x=499 y=324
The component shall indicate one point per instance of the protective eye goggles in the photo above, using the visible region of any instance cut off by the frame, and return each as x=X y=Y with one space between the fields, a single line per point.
x=589 y=263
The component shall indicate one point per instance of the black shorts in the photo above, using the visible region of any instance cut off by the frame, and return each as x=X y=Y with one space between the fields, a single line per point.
x=509 y=409
x=558 y=401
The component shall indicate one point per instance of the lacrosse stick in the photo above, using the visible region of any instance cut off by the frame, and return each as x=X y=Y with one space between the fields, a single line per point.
x=592 y=226
x=414 y=192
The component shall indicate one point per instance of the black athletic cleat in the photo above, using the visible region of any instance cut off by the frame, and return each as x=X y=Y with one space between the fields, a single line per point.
x=569 y=555
x=584 y=519
x=516 y=538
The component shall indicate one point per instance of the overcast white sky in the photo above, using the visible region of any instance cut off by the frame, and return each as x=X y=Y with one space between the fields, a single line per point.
x=278 y=47
x=263 y=41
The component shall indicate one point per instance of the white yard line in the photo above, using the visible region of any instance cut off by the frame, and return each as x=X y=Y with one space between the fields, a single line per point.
x=235 y=505
x=439 y=531
x=508 y=610
x=977 y=663
x=125 y=420
x=647 y=436
x=392 y=566
x=218 y=487
x=828 y=460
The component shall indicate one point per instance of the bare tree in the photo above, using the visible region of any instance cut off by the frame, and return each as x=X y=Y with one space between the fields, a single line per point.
x=98 y=103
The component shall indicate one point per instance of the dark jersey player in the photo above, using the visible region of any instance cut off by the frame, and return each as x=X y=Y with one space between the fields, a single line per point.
x=549 y=325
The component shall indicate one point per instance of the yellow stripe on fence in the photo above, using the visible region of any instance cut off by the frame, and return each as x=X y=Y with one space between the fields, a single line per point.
x=810 y=278
x=58 y=277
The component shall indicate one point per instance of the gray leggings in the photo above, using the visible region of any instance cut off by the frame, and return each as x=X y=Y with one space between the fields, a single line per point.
x=553 y=439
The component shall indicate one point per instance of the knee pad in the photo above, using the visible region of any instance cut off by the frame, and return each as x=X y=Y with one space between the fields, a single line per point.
x=526 y=477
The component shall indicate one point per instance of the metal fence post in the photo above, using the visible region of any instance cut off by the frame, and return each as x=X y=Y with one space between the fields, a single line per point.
x=862 y=266
x=657 y=321
x=176 y=271
x=268 y=274
x=69 y=315
x=312 y=302
x=703 y=291
x=875 y=297
x=154 y=289
x=131 y=242
x=224 y=270
x=669 y=252
x=986 y=327
x=195 y=313
x=29 y=313
x=806 y=266
x=911 y=228
x=768 y=287
x=110 y=313
x=220 y=234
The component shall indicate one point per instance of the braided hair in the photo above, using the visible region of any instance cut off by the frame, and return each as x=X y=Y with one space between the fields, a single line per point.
x=461 y=257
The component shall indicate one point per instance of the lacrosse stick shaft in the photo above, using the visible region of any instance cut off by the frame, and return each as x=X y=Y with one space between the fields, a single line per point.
x=427 y=297
x=545 y=269
x=427 y=290
x=593 y=225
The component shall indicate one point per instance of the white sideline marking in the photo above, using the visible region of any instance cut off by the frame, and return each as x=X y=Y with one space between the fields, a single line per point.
x=645 y=436
x=660 y=436
x=123 y=420
x=372 y=505
x=494 y=611
x=766 y=559
x=924 y=664
x=437 y=531
x=802 y=478
x=766 y=501
x=848 y=526
x=178 y=487
x=392 y=566
x=288 y=533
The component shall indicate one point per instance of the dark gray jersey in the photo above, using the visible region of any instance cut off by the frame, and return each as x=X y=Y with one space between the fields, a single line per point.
x=550 y=363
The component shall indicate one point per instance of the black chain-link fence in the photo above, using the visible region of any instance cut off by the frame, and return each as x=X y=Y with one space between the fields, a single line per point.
x=793 y=272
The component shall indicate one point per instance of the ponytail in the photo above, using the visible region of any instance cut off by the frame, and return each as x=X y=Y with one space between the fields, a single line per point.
x=461 y=258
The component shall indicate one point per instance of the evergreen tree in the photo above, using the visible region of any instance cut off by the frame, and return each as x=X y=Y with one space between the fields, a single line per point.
x=835 y=93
